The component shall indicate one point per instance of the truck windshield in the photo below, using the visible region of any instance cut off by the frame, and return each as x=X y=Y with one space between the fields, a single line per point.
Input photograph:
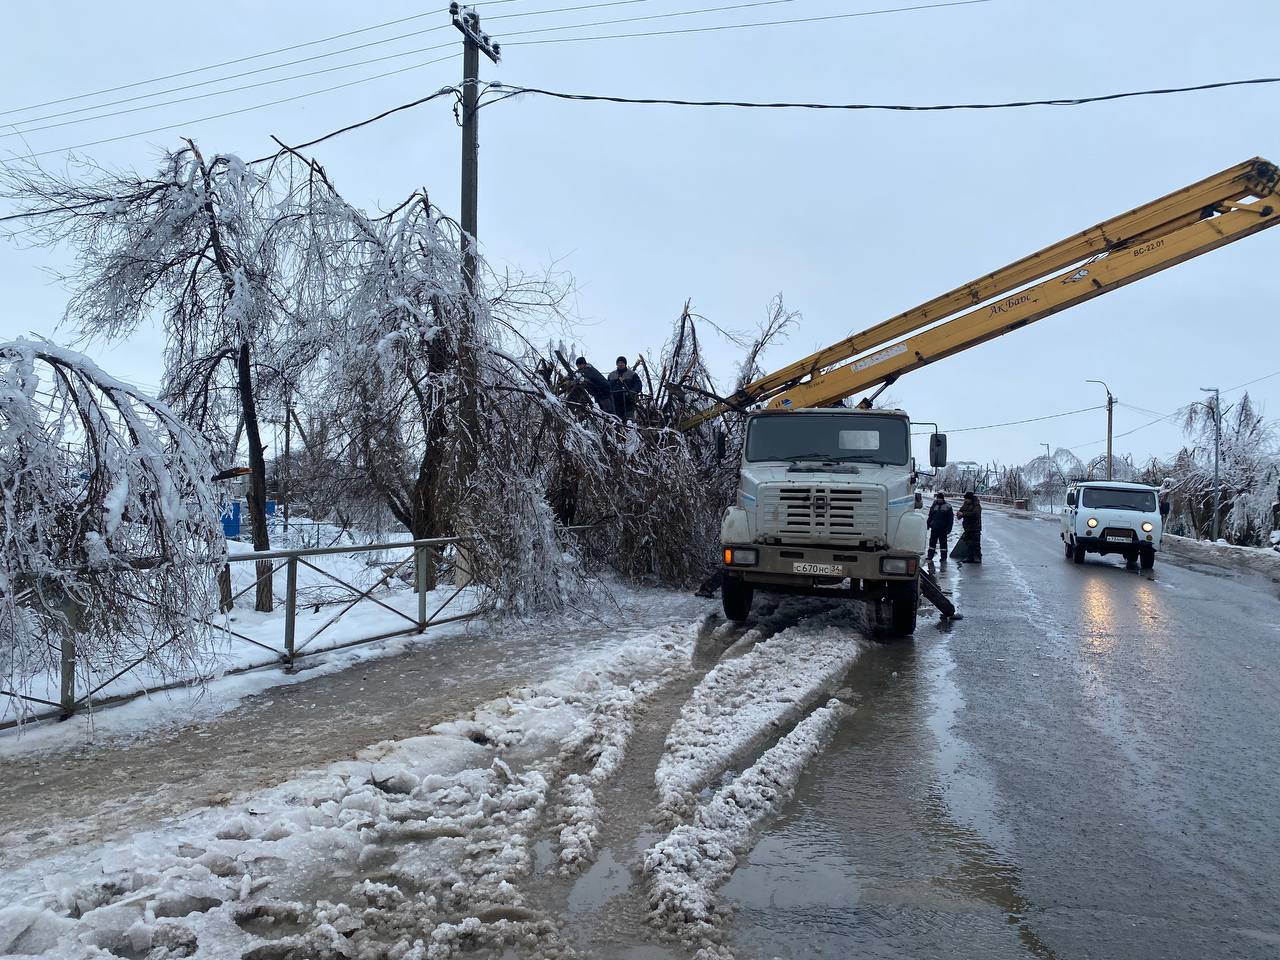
x=1104 y=498
x=837 y=437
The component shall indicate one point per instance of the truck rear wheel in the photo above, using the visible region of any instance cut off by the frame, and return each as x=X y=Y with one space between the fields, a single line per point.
x=736 y=597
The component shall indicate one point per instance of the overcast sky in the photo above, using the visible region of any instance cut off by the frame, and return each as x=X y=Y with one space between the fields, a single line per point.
x=852 y=216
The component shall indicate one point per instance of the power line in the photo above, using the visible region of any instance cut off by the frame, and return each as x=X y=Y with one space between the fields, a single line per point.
x=657 y=16
x=212 y=66
x=1014 y=423
x=324 y=70
x=245 y=73
x=215 y=93
x=509 y=91
x=763 y=23
x=232 y=113
x=363 y=123
x=267 y=69
x=274 y=67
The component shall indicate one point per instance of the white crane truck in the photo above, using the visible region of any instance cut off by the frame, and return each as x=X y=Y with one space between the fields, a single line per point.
x=826 y=505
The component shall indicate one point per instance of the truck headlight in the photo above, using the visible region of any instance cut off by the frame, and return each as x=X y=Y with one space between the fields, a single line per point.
x=1146 y=526
x=1092 y=522
x=741 y=556
x=898 y=566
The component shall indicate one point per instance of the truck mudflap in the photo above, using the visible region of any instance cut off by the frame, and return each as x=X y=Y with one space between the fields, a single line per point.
x=933 y=593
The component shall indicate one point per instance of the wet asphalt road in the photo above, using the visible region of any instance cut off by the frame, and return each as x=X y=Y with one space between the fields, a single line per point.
x=1086 y=766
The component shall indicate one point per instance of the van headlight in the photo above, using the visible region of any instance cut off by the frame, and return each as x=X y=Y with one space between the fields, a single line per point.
x=1092 y=522
x=1147 y=526
x=741 y=556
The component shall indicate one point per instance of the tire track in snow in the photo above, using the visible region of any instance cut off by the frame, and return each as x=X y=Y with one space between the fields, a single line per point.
x=745 y=701
x=687 y=868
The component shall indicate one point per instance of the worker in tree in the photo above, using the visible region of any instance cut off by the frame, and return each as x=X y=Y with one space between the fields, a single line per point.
x=970 y=546
x=941 y=521
x=594 y=382
x=624 y=387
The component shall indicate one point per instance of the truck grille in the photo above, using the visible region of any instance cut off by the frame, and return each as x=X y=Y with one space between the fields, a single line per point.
x=822 y=514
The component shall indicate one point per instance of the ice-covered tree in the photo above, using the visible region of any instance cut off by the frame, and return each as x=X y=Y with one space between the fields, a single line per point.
x=1249 y=471
x=202 y=245
x=109 y=530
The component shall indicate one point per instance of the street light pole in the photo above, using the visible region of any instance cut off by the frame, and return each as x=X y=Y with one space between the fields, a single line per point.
x=1111 y=405
x=1217 y=451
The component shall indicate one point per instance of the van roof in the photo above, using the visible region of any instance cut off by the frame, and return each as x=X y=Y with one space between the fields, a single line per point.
x=1117 y=484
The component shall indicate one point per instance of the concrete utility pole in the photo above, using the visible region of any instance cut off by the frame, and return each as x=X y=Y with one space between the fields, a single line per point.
x=474 y=43
x=1217 y=451
x=1111 y=406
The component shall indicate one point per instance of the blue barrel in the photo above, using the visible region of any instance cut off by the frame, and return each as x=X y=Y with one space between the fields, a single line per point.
x=231 y=520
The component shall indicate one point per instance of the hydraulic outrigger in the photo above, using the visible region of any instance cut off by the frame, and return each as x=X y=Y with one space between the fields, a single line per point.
x=1236 y=203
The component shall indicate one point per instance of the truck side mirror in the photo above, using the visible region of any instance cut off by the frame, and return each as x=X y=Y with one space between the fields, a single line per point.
x=1164 y=508
x=938 y=450
x=721 y=443
x=1071 y=499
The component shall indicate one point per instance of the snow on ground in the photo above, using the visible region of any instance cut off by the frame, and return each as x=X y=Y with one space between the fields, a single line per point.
x=745 y=700
x=685 y=870
x=415 y=850
x=1264 y=560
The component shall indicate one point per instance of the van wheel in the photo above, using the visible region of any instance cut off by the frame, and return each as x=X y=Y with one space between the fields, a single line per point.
x=736 y=596
x=1067 y=547
x=1077 y=553
x=1148 y=559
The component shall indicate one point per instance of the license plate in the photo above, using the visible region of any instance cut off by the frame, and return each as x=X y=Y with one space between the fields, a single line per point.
x=821 y=569
x=1114 y=539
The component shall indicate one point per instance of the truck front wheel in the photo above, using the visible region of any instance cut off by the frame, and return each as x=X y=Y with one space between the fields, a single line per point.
x=736 y=596
x=904 y=603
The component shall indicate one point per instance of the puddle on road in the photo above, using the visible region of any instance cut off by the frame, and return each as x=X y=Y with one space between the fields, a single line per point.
x=601 y=883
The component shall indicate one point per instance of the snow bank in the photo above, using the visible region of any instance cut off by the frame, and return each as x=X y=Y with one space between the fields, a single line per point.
x=685 y=870
x=745 y=700
x=1263 y=560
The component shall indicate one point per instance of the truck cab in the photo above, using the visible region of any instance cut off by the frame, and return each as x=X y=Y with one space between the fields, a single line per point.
x=1106 y=516
x=826 y=505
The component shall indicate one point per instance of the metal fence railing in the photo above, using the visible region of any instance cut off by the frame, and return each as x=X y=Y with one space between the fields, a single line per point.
x=425 y=555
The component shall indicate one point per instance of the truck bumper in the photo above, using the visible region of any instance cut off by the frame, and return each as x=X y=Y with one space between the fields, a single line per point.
x=786 y=568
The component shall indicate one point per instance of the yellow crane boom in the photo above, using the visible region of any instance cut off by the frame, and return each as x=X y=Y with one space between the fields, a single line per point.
x=1236 y=203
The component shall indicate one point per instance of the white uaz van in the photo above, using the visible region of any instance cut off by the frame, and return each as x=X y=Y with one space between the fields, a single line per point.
x=1105 y=516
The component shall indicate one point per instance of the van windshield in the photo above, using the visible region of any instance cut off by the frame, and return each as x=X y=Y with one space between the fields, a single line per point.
x=832 y=437
x=1105 y=498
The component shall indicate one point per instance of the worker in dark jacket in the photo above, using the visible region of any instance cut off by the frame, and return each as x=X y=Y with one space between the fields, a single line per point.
x=941 y=521
x=594 y=382
x=970 y=514
x=624 y=386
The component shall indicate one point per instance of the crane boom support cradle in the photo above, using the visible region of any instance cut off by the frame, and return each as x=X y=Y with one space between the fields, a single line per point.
x=1236 y=203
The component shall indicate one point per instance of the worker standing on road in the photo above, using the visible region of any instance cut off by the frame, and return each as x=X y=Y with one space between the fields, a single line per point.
x=941 y=521
x=594 y=382
x=970 y=545
x=624 y=385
